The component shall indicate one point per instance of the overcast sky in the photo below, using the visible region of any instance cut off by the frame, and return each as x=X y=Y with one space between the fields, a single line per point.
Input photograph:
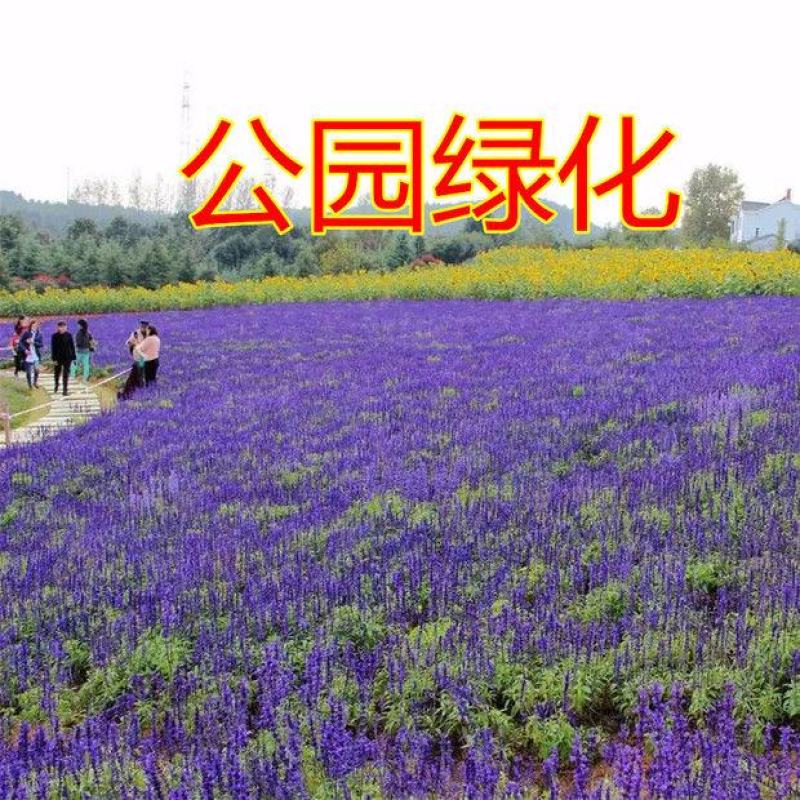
x=95 y=87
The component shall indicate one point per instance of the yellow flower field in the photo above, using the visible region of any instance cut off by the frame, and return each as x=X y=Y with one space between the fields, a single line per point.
x=505 y=273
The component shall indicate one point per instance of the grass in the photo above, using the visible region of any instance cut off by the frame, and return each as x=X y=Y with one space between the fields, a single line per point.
x=14 y=391
x=107 y=394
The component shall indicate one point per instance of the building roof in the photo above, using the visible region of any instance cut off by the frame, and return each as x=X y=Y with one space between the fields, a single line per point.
x=753 y=205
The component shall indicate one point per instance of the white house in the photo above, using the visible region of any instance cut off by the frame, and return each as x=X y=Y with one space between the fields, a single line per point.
x=757 y=224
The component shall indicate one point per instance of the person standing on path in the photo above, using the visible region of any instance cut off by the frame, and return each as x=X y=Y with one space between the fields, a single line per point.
x=19 y=329
x=62 y=351
x=84 y=347
x=30 y=346
x=149 y=350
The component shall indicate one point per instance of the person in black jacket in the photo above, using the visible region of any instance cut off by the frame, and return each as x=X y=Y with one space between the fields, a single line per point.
x=62 y=351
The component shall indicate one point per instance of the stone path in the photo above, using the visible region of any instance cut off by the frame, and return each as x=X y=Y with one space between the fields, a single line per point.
x=78 y=406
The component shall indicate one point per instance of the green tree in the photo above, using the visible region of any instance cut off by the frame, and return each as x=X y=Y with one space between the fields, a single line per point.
x=206 y=272
x=186 y=272
x=267 y=265
x=27 y=257
x=10 y=230
x=118 y=229
x=306 y=261
x=644 y=238
x=82 y=227
x=234 y=250
x=346 y=255
x=455 y=249
x=4 y=276
x=152 y=269
x=401 y=252
x=112 y=264
x=713 y=195
x=472 y=225
x=84 y=259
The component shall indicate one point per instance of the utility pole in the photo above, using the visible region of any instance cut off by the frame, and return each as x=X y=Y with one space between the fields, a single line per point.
x=187 y=189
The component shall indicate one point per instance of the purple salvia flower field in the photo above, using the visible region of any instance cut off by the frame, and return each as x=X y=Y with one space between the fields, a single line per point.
x=398 y=549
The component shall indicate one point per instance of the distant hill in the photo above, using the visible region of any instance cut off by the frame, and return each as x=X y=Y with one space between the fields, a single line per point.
x=55 y=218
x=560 y=227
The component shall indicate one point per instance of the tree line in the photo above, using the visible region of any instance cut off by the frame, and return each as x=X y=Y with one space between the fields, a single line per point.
x=166 y=249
